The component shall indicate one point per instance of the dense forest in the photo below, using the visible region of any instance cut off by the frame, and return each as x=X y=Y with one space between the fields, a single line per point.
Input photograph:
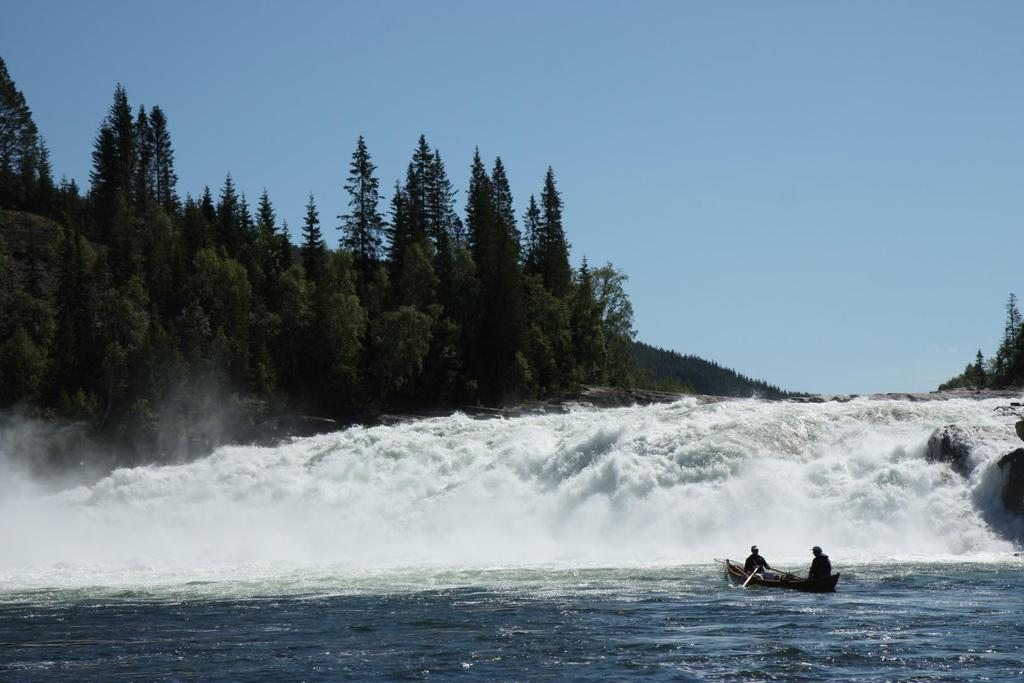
x=671 y=371
x=143 y=312
x=1006 y=367
x=169 y=324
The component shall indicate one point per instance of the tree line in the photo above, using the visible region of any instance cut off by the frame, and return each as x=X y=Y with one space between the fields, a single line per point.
x=1003 y=369
x=672 y=371
x=150 y=311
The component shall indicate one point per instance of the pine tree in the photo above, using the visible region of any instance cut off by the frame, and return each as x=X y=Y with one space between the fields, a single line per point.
x=1003 y=366
x=418 y=185
x=588 y=338
x=144 y=189
x=163 y=162
x=1012 y=328
x=532 y=228
x=265 y=216
x=207 y=206
x=442 y=219
x=228 y=218
x=554 y=250
x=500 y=329
x=24 y=165
x=479 y=210
x=363 y=227
x=113 y=160
x=504 y=212
x=268 y=253
x=313 y=246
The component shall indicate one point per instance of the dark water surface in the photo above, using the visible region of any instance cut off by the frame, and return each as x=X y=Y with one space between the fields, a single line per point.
x=905 y=622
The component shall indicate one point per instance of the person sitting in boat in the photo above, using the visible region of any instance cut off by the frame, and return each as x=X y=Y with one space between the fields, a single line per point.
x=821 y=568
x=755 y=561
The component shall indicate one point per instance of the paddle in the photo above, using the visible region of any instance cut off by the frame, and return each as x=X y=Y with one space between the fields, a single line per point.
x=756 y=570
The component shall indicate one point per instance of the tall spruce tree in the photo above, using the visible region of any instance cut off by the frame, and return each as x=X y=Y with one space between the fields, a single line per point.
x=229 y=219
x=208 y=208
x=313 y=247
x=165 y=178
x=418 y=186
x=499 y=329
x=113 y=160
x=363 y=226
x=397 y=229
x=554 y=250
x=25 y=178
x=531 y=238
x=144 y=185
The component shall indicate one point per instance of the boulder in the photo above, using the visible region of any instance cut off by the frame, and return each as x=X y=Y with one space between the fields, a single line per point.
x=952 y=445
x=1020 y=428
x=1013 y=489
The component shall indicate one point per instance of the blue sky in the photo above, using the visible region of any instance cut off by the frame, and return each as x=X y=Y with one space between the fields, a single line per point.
x=829 y=196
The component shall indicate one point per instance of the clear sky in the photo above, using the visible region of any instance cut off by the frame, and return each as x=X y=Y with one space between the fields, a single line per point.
x=826 y=195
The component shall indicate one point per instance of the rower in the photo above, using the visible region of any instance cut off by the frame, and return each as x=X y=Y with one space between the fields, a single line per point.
x=755 y=562
x=821 y=568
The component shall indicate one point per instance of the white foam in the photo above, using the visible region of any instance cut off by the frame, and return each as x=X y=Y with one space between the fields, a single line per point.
x=659 y=485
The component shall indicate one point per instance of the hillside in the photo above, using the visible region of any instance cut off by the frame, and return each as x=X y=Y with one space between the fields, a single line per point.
x=668 y=370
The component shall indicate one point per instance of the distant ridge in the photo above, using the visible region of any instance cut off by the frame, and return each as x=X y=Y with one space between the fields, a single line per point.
x=672 y=371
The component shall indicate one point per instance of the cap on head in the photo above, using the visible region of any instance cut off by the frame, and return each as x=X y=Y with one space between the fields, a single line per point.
x=753 y=548
x=816 y=550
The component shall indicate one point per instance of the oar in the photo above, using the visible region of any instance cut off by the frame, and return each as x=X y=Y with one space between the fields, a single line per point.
x=756 y=570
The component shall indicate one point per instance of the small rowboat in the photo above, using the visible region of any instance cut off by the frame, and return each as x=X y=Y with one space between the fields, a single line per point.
x=777 y=579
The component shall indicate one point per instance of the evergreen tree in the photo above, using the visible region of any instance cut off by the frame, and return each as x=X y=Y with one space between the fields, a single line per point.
x=1012 y=328
x=229 y=218
x=163 y=162
x=532 y=229
x=500 y=329
x=504 y=212
x=479 y=210
x=266 y=219
x=554 y=250
x=207 y=207
x=25 y=178
x=313 y=247
x=397 y=229
x=144 y=186
x=588 y=338
x=442 y=219
x=364 y=226
x=113 y=160
x=979 y=370
x=418 y=187
x=1004 y=359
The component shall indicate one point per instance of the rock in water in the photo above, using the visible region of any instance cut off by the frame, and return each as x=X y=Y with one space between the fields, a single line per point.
x=1020 y=428
x=951 y=444
x=1013 y=490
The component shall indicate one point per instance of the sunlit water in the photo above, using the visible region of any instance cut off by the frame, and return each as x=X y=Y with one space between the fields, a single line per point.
x=572 y=546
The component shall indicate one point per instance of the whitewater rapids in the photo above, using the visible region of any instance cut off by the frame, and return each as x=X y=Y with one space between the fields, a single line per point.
x=647 y=486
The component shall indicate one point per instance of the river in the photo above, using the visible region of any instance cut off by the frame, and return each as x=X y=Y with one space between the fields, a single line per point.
x=577 y=546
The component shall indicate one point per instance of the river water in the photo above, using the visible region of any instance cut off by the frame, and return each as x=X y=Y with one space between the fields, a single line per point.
x=575 y=546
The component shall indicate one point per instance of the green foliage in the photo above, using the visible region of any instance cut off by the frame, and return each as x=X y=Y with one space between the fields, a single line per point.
x=1006 y=367
x=22 y=367
x=363 y=226
x=152 y=309
x=400 y=339
x=660 y=369
x=25 y=178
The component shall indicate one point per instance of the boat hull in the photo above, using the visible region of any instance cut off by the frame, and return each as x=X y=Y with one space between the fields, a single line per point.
x=788 y=581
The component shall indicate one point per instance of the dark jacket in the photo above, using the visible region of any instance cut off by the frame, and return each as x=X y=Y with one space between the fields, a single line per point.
x=755 y=560
x=820 y=567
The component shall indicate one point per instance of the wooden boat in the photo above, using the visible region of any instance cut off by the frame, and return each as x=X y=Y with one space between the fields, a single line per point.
x=777 y=579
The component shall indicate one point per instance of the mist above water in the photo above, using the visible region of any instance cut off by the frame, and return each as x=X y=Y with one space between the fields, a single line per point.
x=680 y=483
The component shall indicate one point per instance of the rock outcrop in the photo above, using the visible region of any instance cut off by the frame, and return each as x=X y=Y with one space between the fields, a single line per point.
x=1013 y=489
x=952 y=445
